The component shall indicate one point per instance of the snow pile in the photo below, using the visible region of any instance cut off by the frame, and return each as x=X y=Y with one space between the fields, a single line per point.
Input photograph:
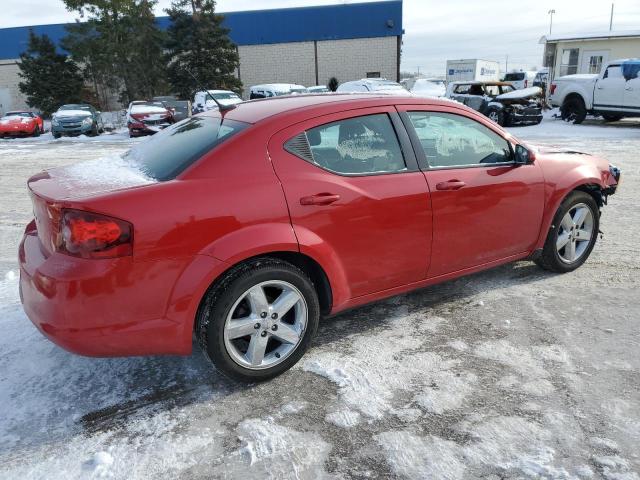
x=102 y=174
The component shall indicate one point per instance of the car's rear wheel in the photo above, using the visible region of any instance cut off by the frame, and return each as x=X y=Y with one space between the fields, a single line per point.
x=258 y=320
x=572 y=235
x=573 y=110
x=497 y=116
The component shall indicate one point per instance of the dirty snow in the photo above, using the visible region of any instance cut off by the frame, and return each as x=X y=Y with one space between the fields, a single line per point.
x=512 y=373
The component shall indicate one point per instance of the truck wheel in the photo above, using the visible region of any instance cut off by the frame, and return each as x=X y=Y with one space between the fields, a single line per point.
x=497 y=116
x=609 y=117
x=573 y=110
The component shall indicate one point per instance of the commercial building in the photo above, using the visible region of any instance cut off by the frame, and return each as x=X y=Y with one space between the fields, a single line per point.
x=587 y=53
x=306 y=45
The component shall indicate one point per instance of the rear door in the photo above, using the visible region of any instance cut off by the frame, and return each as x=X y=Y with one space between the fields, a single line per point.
x=355 y=192
x=485 y=207
x=609 y=90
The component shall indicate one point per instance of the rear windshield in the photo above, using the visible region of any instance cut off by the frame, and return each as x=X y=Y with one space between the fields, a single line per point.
x=512 y=77
x=170 y=151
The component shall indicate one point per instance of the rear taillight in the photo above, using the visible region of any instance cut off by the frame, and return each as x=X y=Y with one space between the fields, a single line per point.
x=552 y=88
x=92 y=235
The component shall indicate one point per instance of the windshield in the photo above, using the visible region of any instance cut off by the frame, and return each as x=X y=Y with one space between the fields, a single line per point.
x=512 y=77
x=18 y=114
x=170 y=151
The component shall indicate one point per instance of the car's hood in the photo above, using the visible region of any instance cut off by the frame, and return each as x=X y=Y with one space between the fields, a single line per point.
x=71 y=113
x=10 y=121
x=521 y=94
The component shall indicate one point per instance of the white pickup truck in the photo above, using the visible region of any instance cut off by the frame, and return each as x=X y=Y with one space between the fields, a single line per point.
x=614 y=93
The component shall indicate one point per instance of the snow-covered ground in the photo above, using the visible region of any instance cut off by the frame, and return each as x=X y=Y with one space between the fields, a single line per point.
x=511 y=373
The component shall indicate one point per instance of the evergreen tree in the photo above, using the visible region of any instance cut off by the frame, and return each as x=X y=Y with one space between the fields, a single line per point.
x=199 y=46
x=50 y=78
x=120 y=46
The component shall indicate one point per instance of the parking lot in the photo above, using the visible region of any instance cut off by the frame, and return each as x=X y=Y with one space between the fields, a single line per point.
x=510 y=373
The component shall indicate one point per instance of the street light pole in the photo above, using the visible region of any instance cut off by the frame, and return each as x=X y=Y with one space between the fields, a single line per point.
x=551 y=12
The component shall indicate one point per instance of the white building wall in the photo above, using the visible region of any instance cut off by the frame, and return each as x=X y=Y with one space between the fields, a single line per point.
x=614 y=49
x=353 y=59
x=277 y=63
x=10 y=96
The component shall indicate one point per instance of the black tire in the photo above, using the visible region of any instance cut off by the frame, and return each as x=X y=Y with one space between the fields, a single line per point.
x=219 y=300
x=497 y=115
x=610 y=117
x=36 y=132
x=56 y=135
x=94 y=130
x=573 y=110
x=550 y=257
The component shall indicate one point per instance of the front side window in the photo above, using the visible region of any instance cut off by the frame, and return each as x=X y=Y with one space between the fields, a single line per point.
x=613 y=71
x=462 y=89
x=450 y=140
x=170 y=151
x=361 y=145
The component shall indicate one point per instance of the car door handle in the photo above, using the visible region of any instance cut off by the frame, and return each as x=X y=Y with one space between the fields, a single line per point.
x=599 y=87
x=320 y=199
x=450 y=185
x=628 y=88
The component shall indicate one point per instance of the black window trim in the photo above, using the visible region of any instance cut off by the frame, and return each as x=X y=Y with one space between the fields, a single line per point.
x=423 y=163
x=404 y=142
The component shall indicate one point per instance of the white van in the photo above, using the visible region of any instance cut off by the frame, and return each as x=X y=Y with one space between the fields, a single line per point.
x=520 y=79
x=275 y=90
x=202 y=101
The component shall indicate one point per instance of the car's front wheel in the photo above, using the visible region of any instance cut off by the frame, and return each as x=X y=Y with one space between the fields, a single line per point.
x=258 y=320
x=573 y=110
x=572 y=235
x=497 y=116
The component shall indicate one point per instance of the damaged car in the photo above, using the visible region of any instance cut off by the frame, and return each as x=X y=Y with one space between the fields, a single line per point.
x=500 y=101
x=147 y=118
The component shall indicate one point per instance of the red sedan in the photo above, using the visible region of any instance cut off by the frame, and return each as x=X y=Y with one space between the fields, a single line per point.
x=244 y=227
x=21 y=124
x=147 y=118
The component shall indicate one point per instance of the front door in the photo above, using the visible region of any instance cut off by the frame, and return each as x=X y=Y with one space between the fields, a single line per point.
x=485 y=207
x=609 y=90
x=356 y=194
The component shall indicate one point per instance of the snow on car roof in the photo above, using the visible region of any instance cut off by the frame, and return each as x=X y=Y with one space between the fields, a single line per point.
x=280 y=87
x=146 y=108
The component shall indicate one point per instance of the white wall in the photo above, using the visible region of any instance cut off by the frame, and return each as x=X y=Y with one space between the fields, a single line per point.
x=10 y=96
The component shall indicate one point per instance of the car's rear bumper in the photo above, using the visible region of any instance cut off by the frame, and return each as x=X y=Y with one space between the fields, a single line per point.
x=103 y=307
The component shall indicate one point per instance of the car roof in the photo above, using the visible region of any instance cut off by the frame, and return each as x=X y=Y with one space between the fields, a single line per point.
x=217 y=91
x=277 y=86
x=255 y=111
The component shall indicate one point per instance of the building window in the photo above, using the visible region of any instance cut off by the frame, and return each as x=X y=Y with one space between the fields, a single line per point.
x=373 y=74
x=569 y=61
x=595 y=63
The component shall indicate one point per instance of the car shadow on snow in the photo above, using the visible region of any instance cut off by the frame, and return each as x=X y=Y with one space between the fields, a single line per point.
x=186 y=380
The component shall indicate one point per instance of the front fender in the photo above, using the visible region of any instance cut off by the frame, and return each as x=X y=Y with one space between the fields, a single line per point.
x=556 y=192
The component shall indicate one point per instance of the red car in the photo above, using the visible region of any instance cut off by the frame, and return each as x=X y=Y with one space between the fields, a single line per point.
x=147 y=118
x=20 y=124
x=244 y=227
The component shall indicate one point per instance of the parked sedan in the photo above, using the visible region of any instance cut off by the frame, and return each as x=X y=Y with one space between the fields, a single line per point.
x=21 y=123
x=147 y=118
x=76 y=119
x=244 y=227
x=500 y=101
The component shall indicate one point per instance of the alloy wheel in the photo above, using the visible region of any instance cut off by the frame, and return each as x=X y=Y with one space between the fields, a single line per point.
x=575 y=233
x=265 y=325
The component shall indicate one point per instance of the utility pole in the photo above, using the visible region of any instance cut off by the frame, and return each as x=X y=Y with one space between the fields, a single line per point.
x=506 y=64
x=551 y=12
x=611 y=19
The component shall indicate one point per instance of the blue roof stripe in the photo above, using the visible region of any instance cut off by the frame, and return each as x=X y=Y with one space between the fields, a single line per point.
x=256 y=27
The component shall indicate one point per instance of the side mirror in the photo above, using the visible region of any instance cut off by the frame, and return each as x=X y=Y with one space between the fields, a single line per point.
x=524 y=156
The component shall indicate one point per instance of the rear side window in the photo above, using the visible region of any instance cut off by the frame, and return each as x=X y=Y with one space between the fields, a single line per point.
x=170 y=151
x=361 y=145
x=455 y=141
x=461 y=88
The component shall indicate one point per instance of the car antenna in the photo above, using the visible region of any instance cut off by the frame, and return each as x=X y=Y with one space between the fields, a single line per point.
x=222 y=108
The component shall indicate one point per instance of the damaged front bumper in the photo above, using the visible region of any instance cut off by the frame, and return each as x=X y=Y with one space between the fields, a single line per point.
x=523 y=114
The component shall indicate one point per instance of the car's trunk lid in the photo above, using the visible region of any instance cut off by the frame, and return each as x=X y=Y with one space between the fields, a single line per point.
x=68 y=186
